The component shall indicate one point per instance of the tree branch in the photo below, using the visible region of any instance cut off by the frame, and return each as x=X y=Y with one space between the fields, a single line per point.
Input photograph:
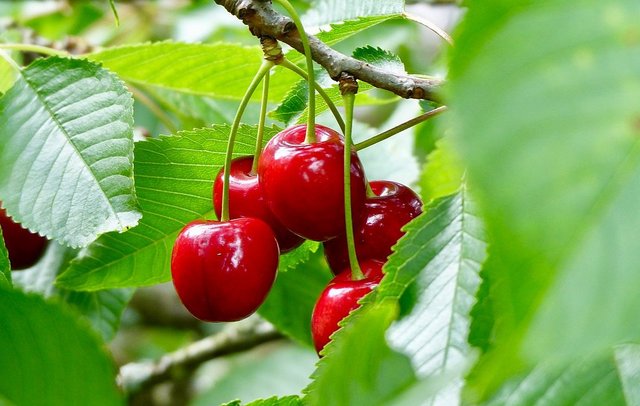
x=263 y=20
x=237 y=337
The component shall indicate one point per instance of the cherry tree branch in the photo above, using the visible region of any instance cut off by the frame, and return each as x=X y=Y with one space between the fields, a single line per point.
x=237 y=337
x=263 y=20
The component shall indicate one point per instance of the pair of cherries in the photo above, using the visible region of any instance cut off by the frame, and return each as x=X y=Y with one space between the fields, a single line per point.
x=223 y=270
x=377 y=228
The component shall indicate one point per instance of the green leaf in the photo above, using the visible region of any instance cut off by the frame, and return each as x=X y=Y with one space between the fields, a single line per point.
x=550 y=135
x=8 y=75
x=286 y=401
x=5 y=402
x=39 y=278
x=379 y=57
x=482 y=314
x=294 y=103
x=427 y=135
x=270 y=371
x=299 y=257
x=206 y=110
x=274 y=401
x=5 y=266
x=436 y=266
x=102 y=308
x=215 y=70
x=290 y=302
x=340 y=31
x=60 y=24
x=330 y=11
x=174 y=178
x=627 y=359
x=586 y=382
x=66 y=151
x=48 y=358
x=442 y=173
x=4 y=281
x=359 y=368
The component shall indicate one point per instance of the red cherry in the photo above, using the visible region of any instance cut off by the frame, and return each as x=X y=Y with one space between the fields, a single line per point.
x=379 y=226
x=25 y=248
x=303 y=183
x=340 y=298
x=223 y=271
x=246 y=200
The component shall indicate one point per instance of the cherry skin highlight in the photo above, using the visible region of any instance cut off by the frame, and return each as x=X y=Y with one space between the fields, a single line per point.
x=379 y=226
x=24 y=247
x=303 y=183
x=223 y=271
x=340 y=298
x=246 y=200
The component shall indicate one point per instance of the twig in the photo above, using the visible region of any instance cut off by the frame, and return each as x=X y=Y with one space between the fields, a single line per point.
x=262 y=20
x=237 y=337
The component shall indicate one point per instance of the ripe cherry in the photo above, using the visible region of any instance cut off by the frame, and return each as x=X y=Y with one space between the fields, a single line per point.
x=303 y=183
x=340 y=298
x=379 y=226
x=223 y=270
x=246 y=200
x=25 y=248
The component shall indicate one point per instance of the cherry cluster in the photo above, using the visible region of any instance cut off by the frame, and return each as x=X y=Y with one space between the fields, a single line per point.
x=223 y=270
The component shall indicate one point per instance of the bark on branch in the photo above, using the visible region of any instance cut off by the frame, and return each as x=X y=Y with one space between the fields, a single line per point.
x=263 y=20
x=238 y=337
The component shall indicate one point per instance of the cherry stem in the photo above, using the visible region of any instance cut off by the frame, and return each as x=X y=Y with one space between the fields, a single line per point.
x=263 y=116
x=395 y=130
x=295 y=68
x=356 y=272
x=311 y=117
x=34 y=48
x=262 y=72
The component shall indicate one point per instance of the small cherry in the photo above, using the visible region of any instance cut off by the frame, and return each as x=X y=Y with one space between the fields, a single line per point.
x=379 y=226
x=246 y=200
x=303 y=182
x=25 y=248
x=223 y=270
x=340 y=298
